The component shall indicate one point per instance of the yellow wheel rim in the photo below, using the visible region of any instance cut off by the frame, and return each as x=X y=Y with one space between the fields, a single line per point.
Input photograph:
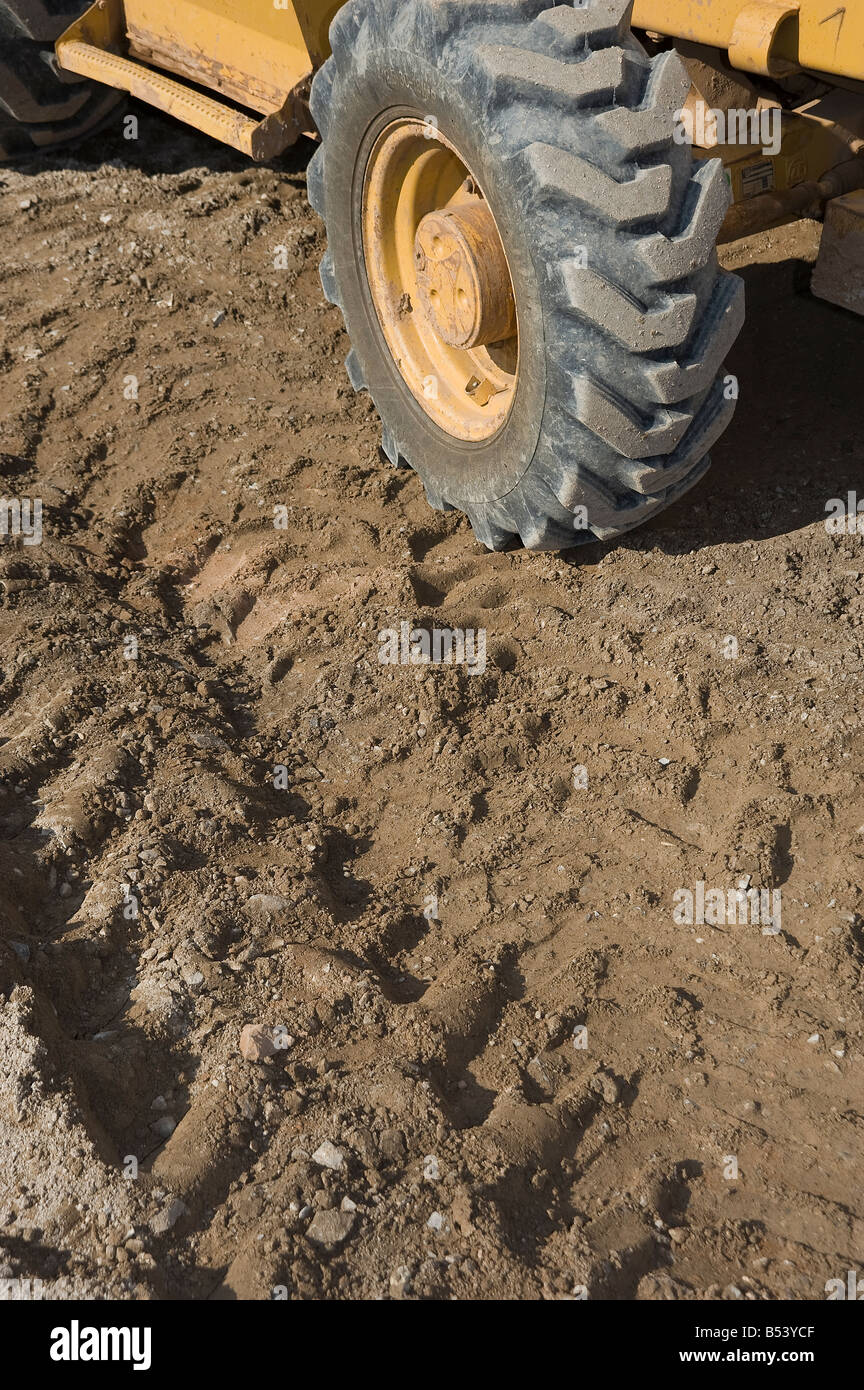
x=439 y=280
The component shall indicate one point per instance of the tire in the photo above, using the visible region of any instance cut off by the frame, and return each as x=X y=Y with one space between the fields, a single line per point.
x=40 y=105
x=569 y=126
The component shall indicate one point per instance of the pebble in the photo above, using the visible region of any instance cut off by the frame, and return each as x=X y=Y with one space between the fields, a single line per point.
x=331 y=1228
x=431 y=1170
x=168 y=1217
x=328 y=1156
x=256 y=1043
x=391 y=1144
x=400 y=1281
x=265 y=909
x=164 y=1126
x=607 y=1086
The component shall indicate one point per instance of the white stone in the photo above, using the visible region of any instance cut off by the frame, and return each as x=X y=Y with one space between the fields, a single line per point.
x=328 y=1156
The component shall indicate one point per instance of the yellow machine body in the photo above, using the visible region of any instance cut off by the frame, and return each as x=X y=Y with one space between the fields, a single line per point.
x=771 y=37
x=254 y=51
x=261 y=54
x=257 y=59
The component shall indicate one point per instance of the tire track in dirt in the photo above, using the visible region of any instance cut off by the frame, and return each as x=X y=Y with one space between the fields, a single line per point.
x=403 y=868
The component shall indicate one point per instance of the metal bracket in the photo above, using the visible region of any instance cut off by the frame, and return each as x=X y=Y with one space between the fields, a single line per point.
x=754 y=36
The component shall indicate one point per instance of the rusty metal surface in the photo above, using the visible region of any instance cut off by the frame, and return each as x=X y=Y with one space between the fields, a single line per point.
x=196 y=67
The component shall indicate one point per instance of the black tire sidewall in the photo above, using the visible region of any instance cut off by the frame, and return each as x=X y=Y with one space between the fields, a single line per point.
x=393 y=84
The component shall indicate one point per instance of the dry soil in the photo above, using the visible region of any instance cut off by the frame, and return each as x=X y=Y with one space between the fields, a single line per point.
x=529 y=1080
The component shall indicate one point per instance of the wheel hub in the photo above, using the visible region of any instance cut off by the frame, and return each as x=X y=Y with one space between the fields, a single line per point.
x=462 y=276
x=438 y=277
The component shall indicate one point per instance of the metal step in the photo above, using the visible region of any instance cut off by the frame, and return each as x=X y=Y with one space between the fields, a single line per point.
x=260 y=139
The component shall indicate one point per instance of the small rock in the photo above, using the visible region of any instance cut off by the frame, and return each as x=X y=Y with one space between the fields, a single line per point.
x=208 y=738
x=168 y=1217
x=607 y=1086
x=462 y=1211
x=265 y=909
x=164 y=1126
x=330 y=1229
x=391 y=1145
x=328 y=1156
x=400 y=1281
x=431 y=1170
x=256 y=1043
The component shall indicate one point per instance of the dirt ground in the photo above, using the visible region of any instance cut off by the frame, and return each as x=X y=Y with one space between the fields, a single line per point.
x=498 y=1066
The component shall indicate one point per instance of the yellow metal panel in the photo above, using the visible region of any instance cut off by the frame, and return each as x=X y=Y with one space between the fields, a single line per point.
x=314 y=18
x=825 y=36
x=89 y=47
x=249 y=49
x=809 y=147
